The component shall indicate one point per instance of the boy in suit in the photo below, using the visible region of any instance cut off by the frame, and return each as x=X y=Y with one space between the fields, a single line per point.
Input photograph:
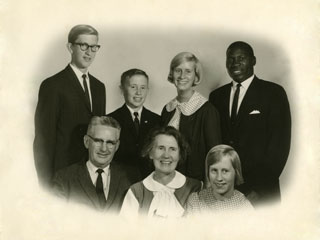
x=255 y=120
x=66 y=102
x=97 y=182
x=135 y=120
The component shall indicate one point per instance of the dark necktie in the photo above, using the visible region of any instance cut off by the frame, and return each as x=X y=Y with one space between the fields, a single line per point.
x=86 y=91
x=235 y=104
x=99 y=188
x=136 y=122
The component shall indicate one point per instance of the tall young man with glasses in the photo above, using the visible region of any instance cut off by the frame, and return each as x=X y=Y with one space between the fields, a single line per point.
x=67 y=101
x=99 y=182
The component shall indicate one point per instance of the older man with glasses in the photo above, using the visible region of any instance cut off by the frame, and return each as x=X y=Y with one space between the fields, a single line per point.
x=98 y=182
x=66 y=102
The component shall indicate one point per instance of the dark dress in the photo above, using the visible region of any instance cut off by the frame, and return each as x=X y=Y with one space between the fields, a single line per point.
x=202 y=131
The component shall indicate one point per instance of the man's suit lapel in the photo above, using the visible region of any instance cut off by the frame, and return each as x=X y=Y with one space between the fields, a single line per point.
x=113 y=186
x=87 y=185
x=251 y=95
x=144 y=122
x=94 y=88
x=76 y=86
x=226 y=104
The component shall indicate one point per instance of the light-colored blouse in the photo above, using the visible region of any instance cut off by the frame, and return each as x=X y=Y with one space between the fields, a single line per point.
x=164 y=202
x=205 y=202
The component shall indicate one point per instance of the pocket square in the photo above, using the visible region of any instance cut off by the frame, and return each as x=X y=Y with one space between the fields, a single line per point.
x=255 y=112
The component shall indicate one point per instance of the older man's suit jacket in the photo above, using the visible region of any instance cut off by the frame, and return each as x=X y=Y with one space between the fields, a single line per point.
x=130 y=144
x=74 y=184
x=261 y=134
x=61 y=120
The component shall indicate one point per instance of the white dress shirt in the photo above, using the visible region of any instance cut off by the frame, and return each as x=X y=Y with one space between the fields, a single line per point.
x=79 y=76
x=132 y=111
x=105 y=177
x=243 y=89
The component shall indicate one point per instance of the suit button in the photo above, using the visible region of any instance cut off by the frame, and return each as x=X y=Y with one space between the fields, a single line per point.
x=231 y=142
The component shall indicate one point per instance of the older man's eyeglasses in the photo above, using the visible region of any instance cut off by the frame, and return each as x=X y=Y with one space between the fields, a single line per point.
x=99 y=142
x=86 y=46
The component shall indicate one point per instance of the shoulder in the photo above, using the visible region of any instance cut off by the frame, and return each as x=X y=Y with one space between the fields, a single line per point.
x=94 y=80
x=71 y=171
x=56 y=79
x=164 y=110
x=150 y=114
x=193 y=199
x=207 y=111
x=119 y=168
x=194 y=184
x=116 y=113
x=220 y=90
x=138 y=190
x=267 y=86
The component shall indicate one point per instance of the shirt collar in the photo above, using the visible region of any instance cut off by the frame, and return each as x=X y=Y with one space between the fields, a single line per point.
x=78 y=72
x=152 y=185
x=190 y=107
x=246 y=83
x=92 y=168
x=132 y=111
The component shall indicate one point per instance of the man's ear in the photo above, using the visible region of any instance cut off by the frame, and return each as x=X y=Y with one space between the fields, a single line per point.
x=117 y=145
x=254 y=60
x=121 y=89
x=69 y=47
x=86 y=141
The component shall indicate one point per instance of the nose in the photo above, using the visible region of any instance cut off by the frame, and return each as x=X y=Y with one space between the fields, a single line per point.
x=182 y=74
x=104 y=147
x=138 y=92
x=219 y=176
x=89 y=51
x=166 y=154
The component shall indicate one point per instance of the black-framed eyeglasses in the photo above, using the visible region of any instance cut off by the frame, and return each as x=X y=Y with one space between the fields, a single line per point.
x=85 y=46
x=99 y=142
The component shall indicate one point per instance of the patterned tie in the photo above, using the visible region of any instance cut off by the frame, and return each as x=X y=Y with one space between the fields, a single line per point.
x=136 y=122
x=86 y=91
x=235 y=104
x=99 y=188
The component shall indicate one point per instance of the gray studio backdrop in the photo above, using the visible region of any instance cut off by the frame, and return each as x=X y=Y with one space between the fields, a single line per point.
x=151 y=49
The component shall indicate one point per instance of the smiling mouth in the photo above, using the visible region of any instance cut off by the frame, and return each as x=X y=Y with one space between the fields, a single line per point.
x=165 y=162
x=236 y=71
x=220 y=184
x=182 y=81
x=102 y=155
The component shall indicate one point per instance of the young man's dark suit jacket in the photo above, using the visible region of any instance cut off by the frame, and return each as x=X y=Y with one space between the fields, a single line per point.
x=74 y=184
x=131 y=144
x=61 y=120
x=262 y=140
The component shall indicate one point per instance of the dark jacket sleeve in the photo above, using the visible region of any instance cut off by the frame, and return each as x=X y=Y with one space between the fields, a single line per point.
x=46 y=118
x=212 y=130
x=279 y=137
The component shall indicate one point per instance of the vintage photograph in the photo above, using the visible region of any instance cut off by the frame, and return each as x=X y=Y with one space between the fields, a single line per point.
x=160 y=119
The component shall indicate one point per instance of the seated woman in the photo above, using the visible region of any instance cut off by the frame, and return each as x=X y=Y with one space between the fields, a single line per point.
x=191 y=113
x=223 y=171
x=165 y=191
